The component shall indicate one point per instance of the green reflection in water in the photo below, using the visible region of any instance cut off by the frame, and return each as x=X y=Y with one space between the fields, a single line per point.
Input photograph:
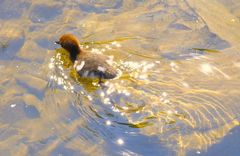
x=207 y=50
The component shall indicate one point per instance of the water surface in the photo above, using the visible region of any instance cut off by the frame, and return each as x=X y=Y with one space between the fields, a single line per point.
x=178 y=93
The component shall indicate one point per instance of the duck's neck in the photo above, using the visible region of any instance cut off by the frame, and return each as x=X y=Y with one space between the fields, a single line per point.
x=74 y=53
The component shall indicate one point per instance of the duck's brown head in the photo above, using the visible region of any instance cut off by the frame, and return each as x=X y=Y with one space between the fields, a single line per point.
x=70 y=43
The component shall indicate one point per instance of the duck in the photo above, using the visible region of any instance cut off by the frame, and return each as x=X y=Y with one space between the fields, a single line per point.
x=87 y=64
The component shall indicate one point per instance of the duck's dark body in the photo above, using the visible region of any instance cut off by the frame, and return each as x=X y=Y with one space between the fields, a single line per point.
x=94 y=65
x=87 y=64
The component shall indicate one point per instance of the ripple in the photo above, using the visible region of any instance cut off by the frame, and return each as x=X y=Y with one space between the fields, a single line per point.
x=177 y=92
x=44 y=13
x=11 y=10
x=101 y=7
x=32 y=112
x=46 y=43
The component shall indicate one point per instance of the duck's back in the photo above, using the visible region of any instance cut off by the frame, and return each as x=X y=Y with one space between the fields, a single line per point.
x=94 y=65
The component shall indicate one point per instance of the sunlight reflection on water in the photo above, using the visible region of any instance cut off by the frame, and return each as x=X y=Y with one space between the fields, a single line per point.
x=176 y=94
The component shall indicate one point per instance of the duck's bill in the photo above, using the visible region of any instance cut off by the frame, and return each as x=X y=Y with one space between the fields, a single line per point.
x=57 y=42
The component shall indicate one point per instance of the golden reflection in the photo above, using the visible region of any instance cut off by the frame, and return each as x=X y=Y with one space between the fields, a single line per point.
x=188 y=101
x=60 y=61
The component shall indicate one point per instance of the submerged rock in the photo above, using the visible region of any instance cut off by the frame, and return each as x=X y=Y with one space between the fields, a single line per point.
x=11 y=41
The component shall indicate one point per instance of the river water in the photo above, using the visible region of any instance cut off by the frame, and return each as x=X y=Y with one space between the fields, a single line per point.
x=177 y=95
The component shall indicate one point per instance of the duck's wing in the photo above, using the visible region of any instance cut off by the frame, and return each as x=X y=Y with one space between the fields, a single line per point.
x=95 y=65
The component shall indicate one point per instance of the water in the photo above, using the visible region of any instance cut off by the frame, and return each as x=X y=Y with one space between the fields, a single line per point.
x=178 y=93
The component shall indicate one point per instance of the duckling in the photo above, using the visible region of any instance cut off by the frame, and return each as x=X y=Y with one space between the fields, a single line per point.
x=87 y=64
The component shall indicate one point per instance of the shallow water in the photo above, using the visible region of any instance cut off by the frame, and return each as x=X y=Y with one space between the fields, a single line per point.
x=177 y=94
